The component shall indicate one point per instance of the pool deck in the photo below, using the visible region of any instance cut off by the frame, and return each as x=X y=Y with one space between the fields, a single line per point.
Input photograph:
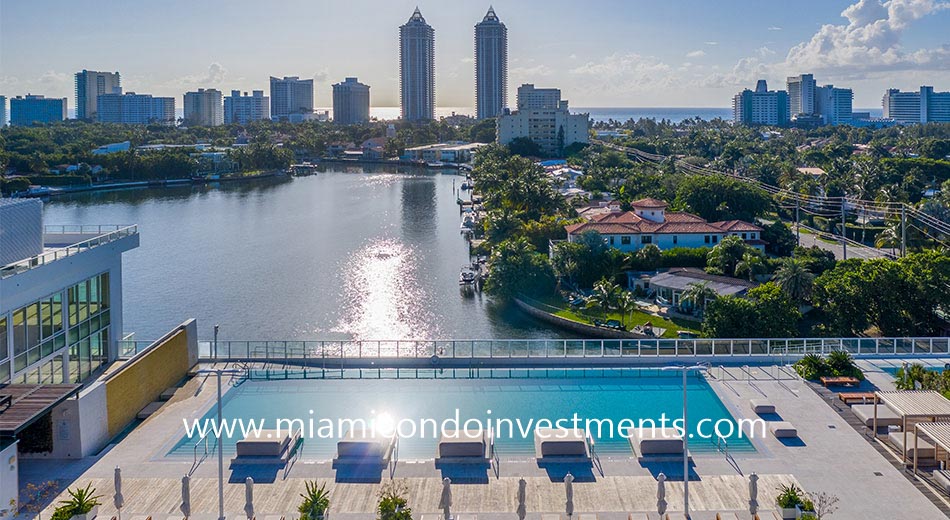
x=829 y=456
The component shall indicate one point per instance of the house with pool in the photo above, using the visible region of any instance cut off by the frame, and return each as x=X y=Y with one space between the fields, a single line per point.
x=650 y=223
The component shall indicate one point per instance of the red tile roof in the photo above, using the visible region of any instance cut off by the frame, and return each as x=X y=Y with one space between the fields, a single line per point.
x=736 y=225
x=628 y=222
x=649 y=203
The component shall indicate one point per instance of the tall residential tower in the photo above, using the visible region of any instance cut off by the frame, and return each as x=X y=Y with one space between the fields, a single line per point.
x=290 y=96
x=801 y=94
x=203 y=108
x=491 y=66
x=91 y=84
x=417 y=68
x=350 y=102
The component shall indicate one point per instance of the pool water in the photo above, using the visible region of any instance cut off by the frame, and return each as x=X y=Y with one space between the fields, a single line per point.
x=601 y=394
x=892 y=370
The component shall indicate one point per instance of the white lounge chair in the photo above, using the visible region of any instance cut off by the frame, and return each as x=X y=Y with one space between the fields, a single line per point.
x=762 y=406
x=362 y=445
x=783 y=430
x=655 y=441
x=562 y=443
x=925 y=449
x=885 y=416
x=459 y=446
x=266 y=447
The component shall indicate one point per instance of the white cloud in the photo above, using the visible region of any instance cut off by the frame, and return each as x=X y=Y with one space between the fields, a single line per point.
x=623 y=73
x=528 y=72
x=696 y=54
x=214 y=76
x=710 y=43
x=745 y=73
x=871 y=41
x=764 y=52
x=775 y=28
x=321 y=76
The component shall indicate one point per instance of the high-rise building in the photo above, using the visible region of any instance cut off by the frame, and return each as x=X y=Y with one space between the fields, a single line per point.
x=36 y=109
x=491 y=66
x=761 y=106
x=350 y=102
x=417 y=68
x=289 y=96
x=242 y=110
x=91 y=84
x=925 y=106
x=135 y=109
x=545 y=119
x=203 y=108
x=834 y=104
x=3 y=111
x=801 y=94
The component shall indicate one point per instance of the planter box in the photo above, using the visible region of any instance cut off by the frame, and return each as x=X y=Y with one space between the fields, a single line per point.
x=789 y=513
x=88 y=516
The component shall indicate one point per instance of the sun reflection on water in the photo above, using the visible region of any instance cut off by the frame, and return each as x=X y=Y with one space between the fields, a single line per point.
x=383 y=298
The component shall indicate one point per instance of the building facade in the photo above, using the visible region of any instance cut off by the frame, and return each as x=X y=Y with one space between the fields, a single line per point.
x=924 y=106
x=350 y=102
x=417 y=69
x=801 y=94
x=61 y=313
x=761 y=106
x=203 y=108
x=650 y=223
x=834 y=105
x=545 y=118
x=290 y=96
x=36 y=109
x=135 y=109
x=3 y=111
x=244 y=109
x=491 y=66
x=91 y=84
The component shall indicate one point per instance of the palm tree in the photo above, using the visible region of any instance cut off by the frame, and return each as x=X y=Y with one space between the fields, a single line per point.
x=795 y=279
x=626 y=304
x=697 y=293
x=751 y=264
x=890 y=236
x=603 y=296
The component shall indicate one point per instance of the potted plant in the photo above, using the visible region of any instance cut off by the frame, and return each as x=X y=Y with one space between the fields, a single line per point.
x=82 y=504
x=789 y=501
x=316 y=502
x=392 y=504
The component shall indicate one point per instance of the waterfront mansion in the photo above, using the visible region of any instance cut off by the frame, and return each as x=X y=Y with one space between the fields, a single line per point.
x=651 y=223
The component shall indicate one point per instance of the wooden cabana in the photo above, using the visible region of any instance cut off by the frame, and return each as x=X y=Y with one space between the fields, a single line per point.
x=939 y=434
x=913 y=407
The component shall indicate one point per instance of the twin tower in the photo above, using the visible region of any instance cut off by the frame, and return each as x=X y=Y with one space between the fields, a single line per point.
x=417 y=67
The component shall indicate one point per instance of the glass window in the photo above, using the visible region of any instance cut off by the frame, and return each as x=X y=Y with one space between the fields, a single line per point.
x=32 y=325
x=4 y=351
x=4 y=371
x=674 y=239
x=72 y=297
x=93 y=284
x=104 y=290
x=625 y=240
x=57 y=312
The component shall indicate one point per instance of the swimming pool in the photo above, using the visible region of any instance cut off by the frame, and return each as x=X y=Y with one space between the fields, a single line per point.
x=892 y=370
x=609 y=395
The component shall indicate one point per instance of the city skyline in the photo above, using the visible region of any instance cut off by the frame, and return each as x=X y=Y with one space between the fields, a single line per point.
x=686 y=53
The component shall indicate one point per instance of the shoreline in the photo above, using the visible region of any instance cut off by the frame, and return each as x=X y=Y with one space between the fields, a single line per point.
x=156 y=183
x=576 y=326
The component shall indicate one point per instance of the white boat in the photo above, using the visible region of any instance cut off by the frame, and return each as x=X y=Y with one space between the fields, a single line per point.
x=468 y=222
x=467 y=276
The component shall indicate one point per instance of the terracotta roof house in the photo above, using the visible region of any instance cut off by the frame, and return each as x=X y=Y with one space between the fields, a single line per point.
x=651 y=223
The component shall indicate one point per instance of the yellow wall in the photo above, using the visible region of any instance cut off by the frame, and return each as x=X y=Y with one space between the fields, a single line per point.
x=143 y=379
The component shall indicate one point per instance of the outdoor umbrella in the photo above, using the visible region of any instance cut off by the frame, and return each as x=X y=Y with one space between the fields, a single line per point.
x=569 y=490
x=522 y=497
x=186 y=496
x=249 y=497
x=446 y=501
x=661 y=494
x=753 y=493
x=118 y=500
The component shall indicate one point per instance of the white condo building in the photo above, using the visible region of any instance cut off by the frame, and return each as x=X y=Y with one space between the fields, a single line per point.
x=801 y=94
x=417 y=69
x=244 y=109
x=135 y=109
x=925 y=106
x=290 y=96
x=203 y=107
x=91 y=84
x=491 y=66
x=834 y=105
x=761 y=106
x=350 y=102
x=543 y=117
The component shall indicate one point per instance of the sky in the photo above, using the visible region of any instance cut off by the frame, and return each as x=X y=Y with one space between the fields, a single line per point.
x=600 y=53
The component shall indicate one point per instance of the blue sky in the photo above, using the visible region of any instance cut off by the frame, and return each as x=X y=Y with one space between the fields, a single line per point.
x=599 y=52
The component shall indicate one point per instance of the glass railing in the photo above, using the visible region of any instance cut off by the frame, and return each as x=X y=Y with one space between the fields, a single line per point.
x=103 y=235
x=436 y=350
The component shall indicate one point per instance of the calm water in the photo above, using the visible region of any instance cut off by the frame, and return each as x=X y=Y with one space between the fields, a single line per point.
x=339 y=255
x=539 y=394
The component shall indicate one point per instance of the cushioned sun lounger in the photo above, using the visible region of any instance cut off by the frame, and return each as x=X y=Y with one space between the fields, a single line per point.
x=656 y=441
x=942 y=478
x=267 y=446
x=364 y=445
x=559 y=442
x=762 y=406
x=464 y=445
x=783 y=430
x=925 y=449
x=885 y=416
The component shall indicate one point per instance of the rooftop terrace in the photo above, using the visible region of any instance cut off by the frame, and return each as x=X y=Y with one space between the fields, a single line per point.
x=61 y=242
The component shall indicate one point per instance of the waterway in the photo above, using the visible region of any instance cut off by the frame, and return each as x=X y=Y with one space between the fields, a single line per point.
x=350 y=253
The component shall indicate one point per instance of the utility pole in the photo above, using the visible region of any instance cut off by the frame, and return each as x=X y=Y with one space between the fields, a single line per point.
x=844 y=232
x=798 y=224
x=903 y=230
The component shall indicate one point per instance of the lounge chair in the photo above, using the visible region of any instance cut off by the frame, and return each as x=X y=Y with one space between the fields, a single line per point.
x=925 y=449
x=839 y=381
x=359 y=446
x=942 y=479
x=656 y=441
x=885 y=416
x=562 y=444
x=267 y=447
x=783 y=430
x=464 y=446
x=762 y=406
x=856 y=397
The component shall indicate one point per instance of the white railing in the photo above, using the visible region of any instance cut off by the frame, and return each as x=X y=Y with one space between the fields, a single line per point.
x=434 y=352
x=104 y=235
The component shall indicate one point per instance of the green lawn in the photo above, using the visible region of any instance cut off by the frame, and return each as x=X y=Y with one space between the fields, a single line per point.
x=636 y=318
